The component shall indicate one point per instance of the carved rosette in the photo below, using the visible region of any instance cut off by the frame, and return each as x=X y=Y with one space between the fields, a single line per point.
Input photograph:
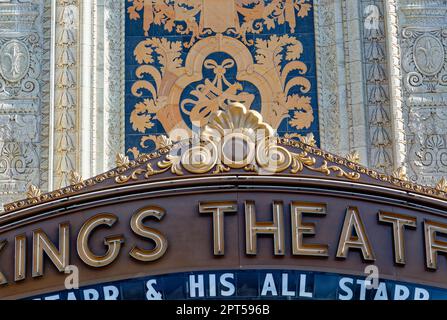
x=19 y=66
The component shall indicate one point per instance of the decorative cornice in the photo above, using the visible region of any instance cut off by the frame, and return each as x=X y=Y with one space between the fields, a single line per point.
x=75 y=188
x=442 y=185
x=292 y=157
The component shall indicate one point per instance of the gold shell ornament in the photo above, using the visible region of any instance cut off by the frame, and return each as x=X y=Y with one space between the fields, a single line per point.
x=237 y=138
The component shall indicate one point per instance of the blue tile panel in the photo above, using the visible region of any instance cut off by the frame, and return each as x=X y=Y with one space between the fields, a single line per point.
x=186 y=59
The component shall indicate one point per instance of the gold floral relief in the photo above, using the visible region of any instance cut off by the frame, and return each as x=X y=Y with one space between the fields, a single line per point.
x=273 y=82
x=179 y=83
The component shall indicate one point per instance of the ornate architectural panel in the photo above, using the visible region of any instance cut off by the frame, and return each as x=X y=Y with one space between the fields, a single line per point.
x=187 y=59
x=114 y=16
x=354 y=78
x=424 y=60
x=20 y=96
x=66 y=143
x=424 y=83
x=377 y=86
x=212 y=154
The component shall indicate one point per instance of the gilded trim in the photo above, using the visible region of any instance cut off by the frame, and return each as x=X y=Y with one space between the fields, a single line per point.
x=264 y=154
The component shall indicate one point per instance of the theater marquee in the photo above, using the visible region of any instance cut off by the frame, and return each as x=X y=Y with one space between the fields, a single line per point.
x=278 y=219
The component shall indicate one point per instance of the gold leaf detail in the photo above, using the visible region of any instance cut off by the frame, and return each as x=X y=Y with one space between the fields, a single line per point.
x=141 y=117
x=121 y=160
x=303 y=116
x=353 y=156
x=172 y=162
x=75 y=177
x=309 y=140
x=293 y=136
x=301 y=160
x=160 y=141
x=400 y=173
x=221 y=168
x=33 y=192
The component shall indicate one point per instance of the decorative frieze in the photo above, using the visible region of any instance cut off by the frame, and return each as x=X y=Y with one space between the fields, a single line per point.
x=377 y=86
x=66 y=104
x=391 y=20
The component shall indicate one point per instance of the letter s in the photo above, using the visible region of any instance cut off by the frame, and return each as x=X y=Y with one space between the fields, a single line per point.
x=346 y=289
x=138 y=227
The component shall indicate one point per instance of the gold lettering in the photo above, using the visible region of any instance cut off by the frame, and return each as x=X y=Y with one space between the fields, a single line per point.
x=218 y=209
x=253 y=228
x=299 y=229
x=348 y=240
x=20 y=257
x=399 y=221
x=113 y=243
x=433 y=245
x=41 y=244
x=137 y=225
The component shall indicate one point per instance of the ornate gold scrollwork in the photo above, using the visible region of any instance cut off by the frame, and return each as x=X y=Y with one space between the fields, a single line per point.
x=272 y=157
x=201 y=158
x=252 y=132
x=234 y=139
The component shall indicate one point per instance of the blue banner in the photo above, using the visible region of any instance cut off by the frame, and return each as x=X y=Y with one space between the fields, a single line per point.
x=251 y=284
